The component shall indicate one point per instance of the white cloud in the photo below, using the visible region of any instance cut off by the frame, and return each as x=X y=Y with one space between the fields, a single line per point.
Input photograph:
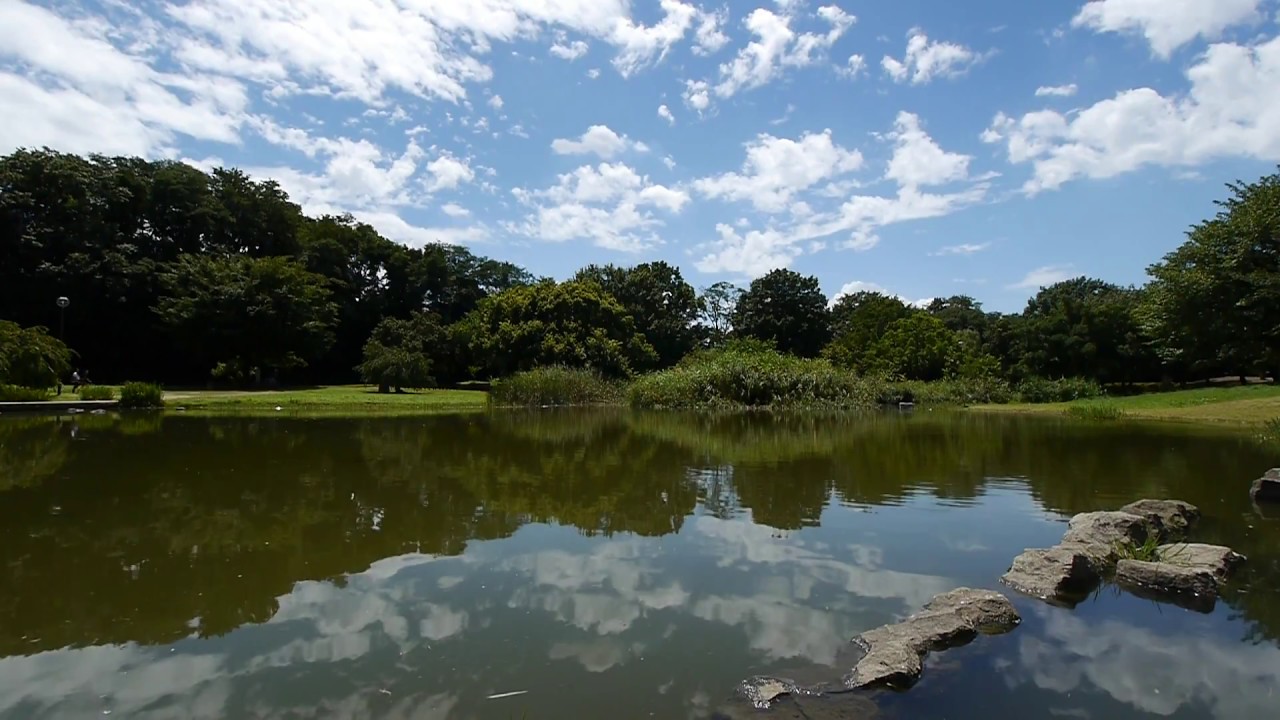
x=1056 y=90
x=1167 y=24
x=598 y=139
x=448 y=172
x=856 y=65
x=1232 y=109
x=697 y=95
x=961 y=249
x=593 y=73
x=454 y=210
x=776 y=46
x=496 y=102
x=571 y=51
x=857 y=286
x=669 y=162
x=1043 y=277
x=709 y=37
x=918 y=160
x=776 y=169
x=664 y=112
x=926 y=59
x=610 y=205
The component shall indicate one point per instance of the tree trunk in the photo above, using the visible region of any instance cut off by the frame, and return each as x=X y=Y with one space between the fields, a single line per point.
x=384 y=388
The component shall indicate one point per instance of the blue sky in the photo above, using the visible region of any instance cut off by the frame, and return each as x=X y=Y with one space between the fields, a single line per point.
x=922 y=147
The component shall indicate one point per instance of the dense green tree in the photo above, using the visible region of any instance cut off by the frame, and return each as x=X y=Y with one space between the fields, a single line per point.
x=716 y=306
x=960 y=313
x=573 y=323
x=1084 y=328
x=663 y=305
x=30 y=357
x=917 y=347
x=787 y=308
x=859 y=320
x=399 y=353
x=1213 y=305
x=243 y=314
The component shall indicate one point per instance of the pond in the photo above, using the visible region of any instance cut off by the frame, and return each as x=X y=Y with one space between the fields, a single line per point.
x=597 y=564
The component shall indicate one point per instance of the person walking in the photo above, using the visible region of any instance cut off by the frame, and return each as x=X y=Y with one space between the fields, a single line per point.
x=75 y=381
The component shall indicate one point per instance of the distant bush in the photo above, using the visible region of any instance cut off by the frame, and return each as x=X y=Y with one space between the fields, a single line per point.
x=141 y=395
x=750 y=376
x=958 y=391
x=554 y=385
x=17 y=393
x=1041 y=390
x=30 y=357
x=1095 y=411
x=97 y=392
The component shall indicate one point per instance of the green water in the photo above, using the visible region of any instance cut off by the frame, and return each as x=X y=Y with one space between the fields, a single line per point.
x=606 y=564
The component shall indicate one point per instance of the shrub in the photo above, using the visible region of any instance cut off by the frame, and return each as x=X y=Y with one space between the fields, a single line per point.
x=752 y=377
x=30 y=357
x=554 y=385
x=97 y=392
x=141 y=395
x=17 y=393
x=957 y=391
x=1041 y=390
x=1095 y=411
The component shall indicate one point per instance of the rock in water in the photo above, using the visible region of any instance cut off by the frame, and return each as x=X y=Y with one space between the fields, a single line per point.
x=1172 y=519
x=1188 y=574
x=895 y=653
x=1065 y=573
x=1266 y=489
x=1106 y=528
x=1217 y=560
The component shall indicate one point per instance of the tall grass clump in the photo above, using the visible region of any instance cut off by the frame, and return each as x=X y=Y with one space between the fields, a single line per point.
x=17 y=393
x=1042 y=390
x=554 y=385
x=1270 y=431
x=135 y=395
x=741 y=376
x=97 y=392
x=1095 y=411
x=957 y=391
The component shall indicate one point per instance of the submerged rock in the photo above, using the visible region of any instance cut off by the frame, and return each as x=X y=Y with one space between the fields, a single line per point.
x=1106 y=528
x=1266 y=488
x=1172 y=519
x=895 y=653
x=1064 y=573
x=1187 y=574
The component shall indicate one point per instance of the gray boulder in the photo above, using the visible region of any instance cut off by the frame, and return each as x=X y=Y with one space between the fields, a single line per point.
x=1106 y=528
x=895 y=653
x=1190 y=587
x=1266 y=489
x=1172 y=519
x=1217 y=560
x=1065 y=573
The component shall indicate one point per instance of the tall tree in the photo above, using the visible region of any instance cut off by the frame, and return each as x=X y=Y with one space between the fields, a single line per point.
x=1084 y=328
x=716 y=307
x=917 y=347
x=398 y=353
x=663 y=305
x=860 y=319
x=787 y=308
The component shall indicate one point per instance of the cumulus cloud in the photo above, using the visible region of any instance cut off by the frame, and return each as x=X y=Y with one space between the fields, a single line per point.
x=857 y=286
x=776 y=169
x=1056 y=90
x=1167 y=24
x=1232 y=109
x=961 y=249
x=856 y=65
x=570 y=51
x=1043 y=277
x=918 y=160
x=664 y=112
x=610 y=205
x=598 y=140
x=697 y=95
x=927 y=59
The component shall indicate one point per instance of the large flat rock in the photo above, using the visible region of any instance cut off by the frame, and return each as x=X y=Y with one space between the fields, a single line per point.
x=1107 y=528
x=1266 y=489
x=1219 y=561
x=895 y=653
x=1186 y=574
x=1172 y=519
x=1064 y=573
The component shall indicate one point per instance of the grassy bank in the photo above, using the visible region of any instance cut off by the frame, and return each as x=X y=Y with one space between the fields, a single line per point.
x=331 y=400
x=1241 y=405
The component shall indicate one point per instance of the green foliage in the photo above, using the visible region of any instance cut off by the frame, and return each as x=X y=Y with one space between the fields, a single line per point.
x=663 y=306
x=1041 y=390
x=955 y=391
x=30 y=357
x=1095 y=411
x=1085 y=328
x=256 y=315
x=1147 y=551
x=917 y=347
x=786 y=308
x=1270 y=432
x=751 y=378
x=398 y=353
x=18 y=393
x=574 y=324
x=859 y=320
x=97 y=392
x=554 y=386
x=716 y=306
x=138 y=395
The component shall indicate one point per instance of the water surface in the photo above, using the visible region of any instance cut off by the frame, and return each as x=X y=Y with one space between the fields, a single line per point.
x=606 y=564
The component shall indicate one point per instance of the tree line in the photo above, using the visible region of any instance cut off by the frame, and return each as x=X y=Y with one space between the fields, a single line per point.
x=185 y=276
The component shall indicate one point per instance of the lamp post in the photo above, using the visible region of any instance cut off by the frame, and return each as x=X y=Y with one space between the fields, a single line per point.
x=62 y=303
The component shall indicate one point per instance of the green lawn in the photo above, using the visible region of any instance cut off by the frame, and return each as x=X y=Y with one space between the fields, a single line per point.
x=332 y=400
x=1239 y=404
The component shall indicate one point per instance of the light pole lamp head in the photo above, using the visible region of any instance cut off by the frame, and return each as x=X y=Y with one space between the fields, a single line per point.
x=63 y=302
